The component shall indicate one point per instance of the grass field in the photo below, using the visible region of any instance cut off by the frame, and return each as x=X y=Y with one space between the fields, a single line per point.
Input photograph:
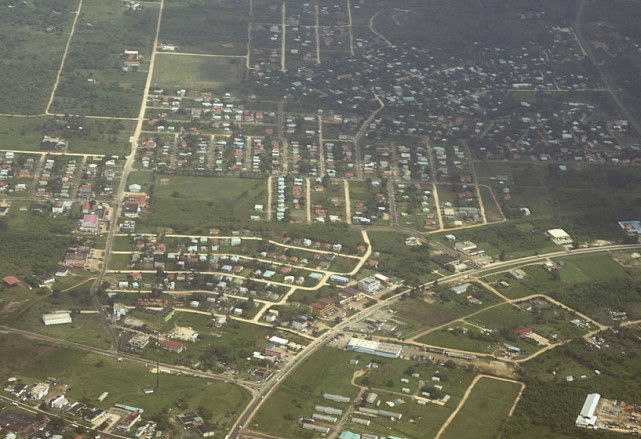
x=574 y=270
x=492 y=210
x=419 y=315
x=197 y=72
x=484 y=411
x=85 y=328
x=194 y=204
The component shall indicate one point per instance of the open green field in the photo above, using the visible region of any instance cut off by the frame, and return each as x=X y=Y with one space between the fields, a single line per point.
x=93 y=80
x=567 y=200
x=500 y=322
x=34 y=35
x=84 y=329
x=88 y=136
x=419 y=315
x=417 y=422
x=574 y=270
x=194 y=204
x=197 y=72
x=232 y=344
x=484 y=411
x=21 y=133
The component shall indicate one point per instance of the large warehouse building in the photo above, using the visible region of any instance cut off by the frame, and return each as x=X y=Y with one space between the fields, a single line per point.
x=381 y=349
x=587 y=418
x=57 y=318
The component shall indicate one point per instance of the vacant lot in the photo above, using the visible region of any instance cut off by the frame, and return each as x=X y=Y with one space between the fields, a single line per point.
x=484 y=411
x=197 y=72
x=194 y=204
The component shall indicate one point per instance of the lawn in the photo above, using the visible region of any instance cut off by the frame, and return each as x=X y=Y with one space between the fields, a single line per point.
x=197 y=72
x=484 y=411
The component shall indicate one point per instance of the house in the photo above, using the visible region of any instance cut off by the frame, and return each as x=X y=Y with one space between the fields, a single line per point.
x=172 y=346
x=522 y=332
x=128 y=421
x=89 y=223
x=10 y=281
x=205 y=430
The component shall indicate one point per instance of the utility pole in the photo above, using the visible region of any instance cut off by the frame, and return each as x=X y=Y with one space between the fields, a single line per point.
x=158 y=355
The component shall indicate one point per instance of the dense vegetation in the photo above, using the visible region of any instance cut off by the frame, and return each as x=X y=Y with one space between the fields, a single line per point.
x=456 y=27
x=32 y=39
x=36 y=246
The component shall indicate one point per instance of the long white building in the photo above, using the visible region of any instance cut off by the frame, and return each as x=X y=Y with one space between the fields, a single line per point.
x=587 y=418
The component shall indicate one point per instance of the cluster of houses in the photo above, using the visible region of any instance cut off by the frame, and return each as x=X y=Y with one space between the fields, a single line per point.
x=16 y=171
x=130 y=60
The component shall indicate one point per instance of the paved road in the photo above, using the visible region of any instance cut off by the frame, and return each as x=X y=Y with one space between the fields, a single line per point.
x=113 y=226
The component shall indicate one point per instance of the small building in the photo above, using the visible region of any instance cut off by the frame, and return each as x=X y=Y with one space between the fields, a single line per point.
x=460 y=289
x=336 y=398
x=205 y=430
x=338 y=279
x=468 y=248
x=559 y=236
x=10 y=281
x=172 y=346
